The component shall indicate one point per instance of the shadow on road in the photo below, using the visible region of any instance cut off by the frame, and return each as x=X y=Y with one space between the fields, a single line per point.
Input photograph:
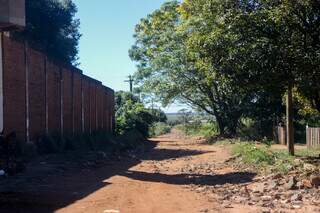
x=55 y=190
x=184 y=179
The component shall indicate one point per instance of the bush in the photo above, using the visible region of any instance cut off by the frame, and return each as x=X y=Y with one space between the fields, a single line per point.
x=132 y=114
x=47 y=145
x=197 y=129
x=130 y=140
x=159 y=129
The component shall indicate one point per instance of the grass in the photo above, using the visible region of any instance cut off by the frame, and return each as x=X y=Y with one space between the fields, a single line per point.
x=264 y=159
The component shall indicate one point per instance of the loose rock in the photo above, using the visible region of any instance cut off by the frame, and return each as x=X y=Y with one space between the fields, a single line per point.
x=291 y=184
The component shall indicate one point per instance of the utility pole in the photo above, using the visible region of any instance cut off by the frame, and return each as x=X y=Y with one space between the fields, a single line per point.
x=130 y=81
x=289 y=115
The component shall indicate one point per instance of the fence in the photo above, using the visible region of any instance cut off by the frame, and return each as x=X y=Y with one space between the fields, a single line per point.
x=41 y=96
x=313 y=137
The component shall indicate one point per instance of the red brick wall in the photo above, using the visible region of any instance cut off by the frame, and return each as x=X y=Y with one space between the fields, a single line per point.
x=37 y=111
x=106 y=110
x=109 y=109
x=55 y=92
x=67 y=101
x=14 y=87
x=86 y=104
x=93 y=105
x=100 y=106
x=53 y=97
x=77 y=101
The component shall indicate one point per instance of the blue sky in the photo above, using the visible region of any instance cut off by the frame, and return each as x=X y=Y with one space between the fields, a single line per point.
x=107 y=27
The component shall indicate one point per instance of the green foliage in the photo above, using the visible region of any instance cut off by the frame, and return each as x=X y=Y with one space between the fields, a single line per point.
x=252 y=154
x=159 y=128
x=52 y=27
x=131 y=114
x=231 y=59
x=197 y=129
x=263 y=157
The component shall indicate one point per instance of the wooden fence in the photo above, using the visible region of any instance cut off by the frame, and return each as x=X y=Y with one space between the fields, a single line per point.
x=313 y=137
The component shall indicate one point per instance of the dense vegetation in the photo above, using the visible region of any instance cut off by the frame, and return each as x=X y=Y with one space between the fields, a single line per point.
x=133 y=115
x=53 y=28
x=233 y=60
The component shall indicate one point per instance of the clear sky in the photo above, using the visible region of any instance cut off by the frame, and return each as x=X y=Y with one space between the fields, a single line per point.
x=107 y=28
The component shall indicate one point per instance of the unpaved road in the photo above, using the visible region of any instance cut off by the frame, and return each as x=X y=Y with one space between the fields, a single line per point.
x=162 y=180
x=159 y=183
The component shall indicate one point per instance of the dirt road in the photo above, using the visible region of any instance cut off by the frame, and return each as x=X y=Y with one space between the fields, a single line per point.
x=171 y=177
x=161 y=181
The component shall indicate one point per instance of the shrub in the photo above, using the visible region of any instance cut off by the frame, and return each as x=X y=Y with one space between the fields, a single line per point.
x=159 y=129
x=197 y=129
x=132 y=114
x=46 y=145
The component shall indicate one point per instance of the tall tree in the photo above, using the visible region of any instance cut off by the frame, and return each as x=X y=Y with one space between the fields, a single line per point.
x=52 y=27
x=174 y=70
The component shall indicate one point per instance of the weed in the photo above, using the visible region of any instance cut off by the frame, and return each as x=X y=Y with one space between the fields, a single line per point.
x=263 y=158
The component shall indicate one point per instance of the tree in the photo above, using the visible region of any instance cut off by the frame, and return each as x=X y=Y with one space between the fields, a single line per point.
x=131 y=114
x=231 y=58
x=174 y=70
x=52 y=27
x=290 y=30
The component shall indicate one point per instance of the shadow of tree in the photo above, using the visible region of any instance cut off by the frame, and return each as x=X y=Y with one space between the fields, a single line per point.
x=184 y=179
x=163 y=154
x=46 y=193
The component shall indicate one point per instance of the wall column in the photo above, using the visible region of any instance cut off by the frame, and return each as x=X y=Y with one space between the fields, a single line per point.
x=82 y=106
x=26 y=58
x=1 y=83
x=61 y=102
x=46 y=95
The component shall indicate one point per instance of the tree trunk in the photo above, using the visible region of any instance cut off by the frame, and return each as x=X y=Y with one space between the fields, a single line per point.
x=221 y=126
x=289 y=114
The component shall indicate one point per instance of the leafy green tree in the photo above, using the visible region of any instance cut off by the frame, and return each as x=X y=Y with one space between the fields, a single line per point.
x=131 y=114
x=174 y=70
x=52 y=27
x=230 y=58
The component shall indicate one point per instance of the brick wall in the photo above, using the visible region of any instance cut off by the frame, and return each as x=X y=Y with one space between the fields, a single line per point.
x=86 y=106
x=77 y=101
x=14 y=87
x=53 y=97
x=36 y=82
x=44 y=96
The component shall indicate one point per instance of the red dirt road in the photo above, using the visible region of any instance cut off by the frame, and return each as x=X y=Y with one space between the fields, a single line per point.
x=168 y=178
x=157 y=183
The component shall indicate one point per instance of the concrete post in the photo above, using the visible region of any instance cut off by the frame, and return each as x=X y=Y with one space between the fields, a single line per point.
x=1 y=83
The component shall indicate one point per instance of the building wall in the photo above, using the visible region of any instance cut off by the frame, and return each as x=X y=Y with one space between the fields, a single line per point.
x=53 y=97
x=86 y=105
x=37 y=110
x=77 y=101
x=14 y=87
x=43 y=96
